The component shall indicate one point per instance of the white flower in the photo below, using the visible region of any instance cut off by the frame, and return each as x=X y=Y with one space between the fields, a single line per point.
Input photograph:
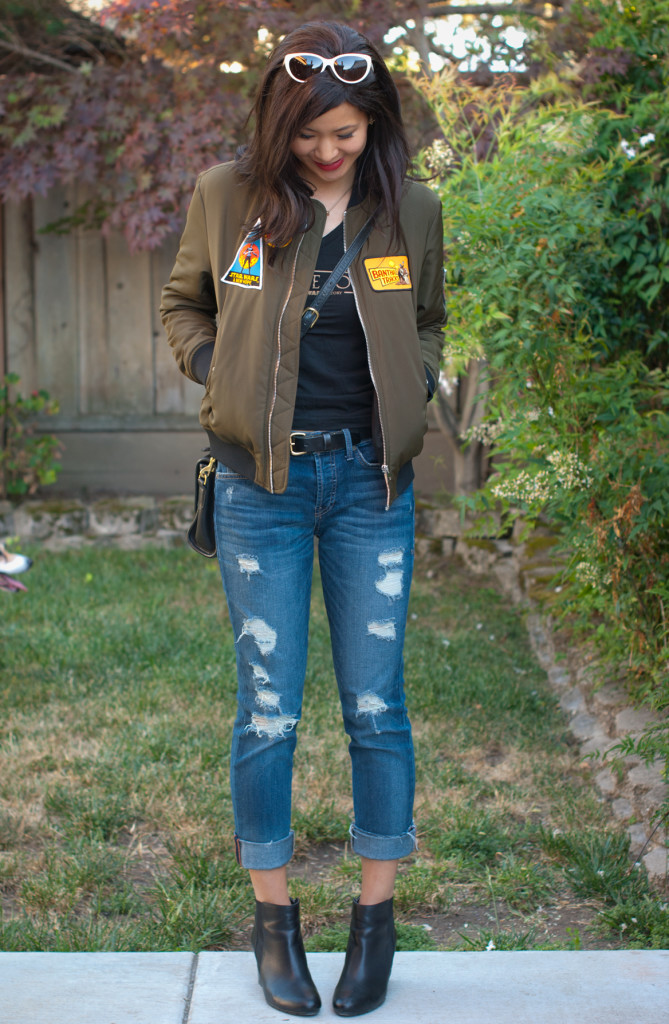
x=592 y=575
x=484 y=433
x=439 y=156
x=646 y=140
x=531 y=488
x=569 y=470
x=629 y=151
x=491 y=945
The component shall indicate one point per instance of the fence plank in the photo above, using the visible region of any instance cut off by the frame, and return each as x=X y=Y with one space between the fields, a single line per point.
x=56 y=301
x=127 y=462
x=130 y=356
x=20 y=347
x=93 y=340
x=174 y=392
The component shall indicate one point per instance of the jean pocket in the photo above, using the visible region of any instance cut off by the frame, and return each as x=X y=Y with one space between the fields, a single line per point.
x=366 y=455
x=223 y=473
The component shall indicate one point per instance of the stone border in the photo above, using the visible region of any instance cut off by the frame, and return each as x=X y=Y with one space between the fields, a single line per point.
x=598 y=716
x=123 y=522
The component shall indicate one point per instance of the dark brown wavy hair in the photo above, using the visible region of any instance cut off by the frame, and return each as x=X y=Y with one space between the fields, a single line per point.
x=281 y=196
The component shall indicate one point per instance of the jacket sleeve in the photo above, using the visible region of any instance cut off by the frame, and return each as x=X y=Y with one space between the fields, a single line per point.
x=431 y=309
x=188 y=302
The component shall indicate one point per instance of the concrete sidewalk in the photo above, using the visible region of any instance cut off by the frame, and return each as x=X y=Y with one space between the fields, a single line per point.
x=599 y=987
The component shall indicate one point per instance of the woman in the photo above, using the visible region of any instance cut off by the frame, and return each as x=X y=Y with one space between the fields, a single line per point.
x=315 y=437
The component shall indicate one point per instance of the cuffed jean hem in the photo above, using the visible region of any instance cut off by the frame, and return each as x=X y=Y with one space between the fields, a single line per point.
x=366 y=844
x=264 y=856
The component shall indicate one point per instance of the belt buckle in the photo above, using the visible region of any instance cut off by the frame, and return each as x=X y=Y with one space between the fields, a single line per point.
x=293 y=434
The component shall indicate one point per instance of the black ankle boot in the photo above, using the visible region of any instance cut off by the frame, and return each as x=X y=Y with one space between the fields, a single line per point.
x=369 y=958
x=282 y=962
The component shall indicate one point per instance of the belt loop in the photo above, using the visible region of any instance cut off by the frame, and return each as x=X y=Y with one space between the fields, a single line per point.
x=349 y=443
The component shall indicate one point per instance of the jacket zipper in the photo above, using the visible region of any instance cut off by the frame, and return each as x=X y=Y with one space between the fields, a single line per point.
x=384 y=468
x=276 y=371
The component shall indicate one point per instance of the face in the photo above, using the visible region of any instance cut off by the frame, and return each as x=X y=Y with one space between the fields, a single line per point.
x=328 y=147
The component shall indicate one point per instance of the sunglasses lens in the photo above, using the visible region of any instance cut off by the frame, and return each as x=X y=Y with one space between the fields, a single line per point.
x=303 y=65
x=351 y=67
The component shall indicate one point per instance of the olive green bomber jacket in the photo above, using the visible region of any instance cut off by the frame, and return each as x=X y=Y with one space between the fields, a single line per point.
x=223 y=291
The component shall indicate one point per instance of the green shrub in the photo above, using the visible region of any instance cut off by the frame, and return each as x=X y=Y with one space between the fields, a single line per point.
x=27 y=460
x=556 y=217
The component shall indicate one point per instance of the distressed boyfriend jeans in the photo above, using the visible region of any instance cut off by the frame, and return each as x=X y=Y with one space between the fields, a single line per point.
x=265 y=545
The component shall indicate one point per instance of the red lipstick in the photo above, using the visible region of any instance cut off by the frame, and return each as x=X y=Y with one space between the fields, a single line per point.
x=330 y=167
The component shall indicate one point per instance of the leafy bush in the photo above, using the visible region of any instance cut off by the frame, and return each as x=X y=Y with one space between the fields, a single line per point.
x=28 y=460
x=556 y=214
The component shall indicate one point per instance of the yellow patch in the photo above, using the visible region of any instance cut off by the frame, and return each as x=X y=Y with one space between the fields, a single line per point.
x=388 y=274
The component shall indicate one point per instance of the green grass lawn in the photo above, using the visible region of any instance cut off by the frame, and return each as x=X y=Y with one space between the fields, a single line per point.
x=117 y=701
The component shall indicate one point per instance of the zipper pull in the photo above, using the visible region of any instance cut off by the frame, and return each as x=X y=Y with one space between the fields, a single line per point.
x=386 y=473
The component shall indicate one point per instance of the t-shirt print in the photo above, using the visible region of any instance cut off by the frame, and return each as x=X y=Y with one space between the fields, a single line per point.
x=342 y=287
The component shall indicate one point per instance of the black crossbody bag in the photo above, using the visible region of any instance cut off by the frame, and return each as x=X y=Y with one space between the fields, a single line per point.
x=201 y=534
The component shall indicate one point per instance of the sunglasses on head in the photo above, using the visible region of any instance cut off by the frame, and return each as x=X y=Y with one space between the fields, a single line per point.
x=347 y=67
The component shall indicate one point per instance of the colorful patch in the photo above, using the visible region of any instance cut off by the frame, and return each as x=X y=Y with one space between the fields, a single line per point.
x=247 y=266
x=388 y=274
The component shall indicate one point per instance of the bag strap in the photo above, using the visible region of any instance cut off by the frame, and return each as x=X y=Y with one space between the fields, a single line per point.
x=312 y=313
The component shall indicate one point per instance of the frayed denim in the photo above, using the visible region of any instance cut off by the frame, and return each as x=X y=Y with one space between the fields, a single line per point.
x=265 y=545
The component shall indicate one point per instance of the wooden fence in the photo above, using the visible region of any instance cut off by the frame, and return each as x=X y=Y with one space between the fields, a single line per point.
x=81 y=320
x=79 y=317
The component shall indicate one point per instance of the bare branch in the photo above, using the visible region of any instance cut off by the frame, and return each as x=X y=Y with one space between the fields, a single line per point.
x=425 y=46
x=533 y=9
x=25 y=51
x=416 y=37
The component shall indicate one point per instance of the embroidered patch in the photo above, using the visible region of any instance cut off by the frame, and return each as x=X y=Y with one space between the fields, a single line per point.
x=388 y=274
x=247 y=266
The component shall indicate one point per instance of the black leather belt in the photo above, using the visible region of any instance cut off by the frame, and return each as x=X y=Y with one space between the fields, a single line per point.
x=306 y=442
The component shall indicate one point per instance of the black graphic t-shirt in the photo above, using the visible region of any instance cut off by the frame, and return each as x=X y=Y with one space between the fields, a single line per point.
x=334 y=387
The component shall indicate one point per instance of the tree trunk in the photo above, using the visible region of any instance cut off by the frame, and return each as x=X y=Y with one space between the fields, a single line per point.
x=460 y=406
